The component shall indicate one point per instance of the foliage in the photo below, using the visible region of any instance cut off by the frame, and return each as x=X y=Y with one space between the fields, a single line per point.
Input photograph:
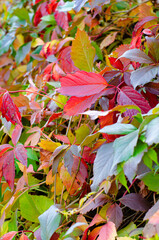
x=79 y=114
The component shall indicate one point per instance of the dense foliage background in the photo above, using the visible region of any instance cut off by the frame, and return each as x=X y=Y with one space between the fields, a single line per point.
x=79 y=119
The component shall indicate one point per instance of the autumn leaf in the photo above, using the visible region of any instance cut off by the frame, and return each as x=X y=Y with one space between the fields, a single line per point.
x=9 y=110
x=82 y=52
x=81 y=84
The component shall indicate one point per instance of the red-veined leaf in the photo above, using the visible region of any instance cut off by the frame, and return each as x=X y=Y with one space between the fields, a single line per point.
x=8 y=167
x=21 y=154
x=81 y=84
x=77 y=105
x=128 y=95
x=8 y=236
x=9 y=110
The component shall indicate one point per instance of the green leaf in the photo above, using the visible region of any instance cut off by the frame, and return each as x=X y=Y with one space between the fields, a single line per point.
x=49 y=19
x=49 y=222
x=22 y=52
x=22 y=14
x=82 y=133
x=82 y=52
x=98 y=50
x=152 y=132
x=124 y=147
x=118 y=128
x=31 y=206
x=6 y=41
x=151 y=181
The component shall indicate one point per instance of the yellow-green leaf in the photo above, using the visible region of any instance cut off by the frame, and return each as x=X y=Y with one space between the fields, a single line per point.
x=49 y=145
x=82 y=52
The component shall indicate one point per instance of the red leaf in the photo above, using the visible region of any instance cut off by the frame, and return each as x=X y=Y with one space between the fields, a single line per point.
x=116 y=63
x=8 y=236
x=62 y=138
x=81 y=84
x=77 y=105
x=4 y=148
x=135 y=202
x=129 y=96
x=16 y=134
x=115 y=215
x=23 y=237
x=21 y=154
x=108 y=232
x=8 y=167
x=66 y=62
x=41 y=11
x=138 y=27
x=61 y=17
x=10 y=110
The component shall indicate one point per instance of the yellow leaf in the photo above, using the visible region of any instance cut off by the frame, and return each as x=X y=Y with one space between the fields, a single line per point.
x=19 y=41
x=48 y=145
x=82 y=52
x=37 y=42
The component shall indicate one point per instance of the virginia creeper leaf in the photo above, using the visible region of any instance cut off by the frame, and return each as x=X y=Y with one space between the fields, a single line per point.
x=153 y=46
x=135 y=201
x=143 y=75
x=79 y=4
x=77 y=105
x=9 y=110
x=49 y=222
x=103 y=164
x=128 y=95
x=94 y=3
x=152 y=132
x=115 y=214
x=21 y=154
x=137 y=55
x=108 y=231
x=16 y=134
x=82 y=52
x=118 y=128
x=81 y=84
x=152 y=211
x=9 y=236
x=9 y=168
x=124 y=147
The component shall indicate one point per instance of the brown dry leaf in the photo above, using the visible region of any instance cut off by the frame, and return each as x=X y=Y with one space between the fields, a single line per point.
x=44 y=159
x=108 y=40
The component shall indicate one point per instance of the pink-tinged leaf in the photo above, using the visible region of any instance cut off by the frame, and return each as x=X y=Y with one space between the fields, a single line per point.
x=116 y=63
x=135 y=202
x=108 y=232
x=81 y=84
x=21 y=154
x=52 y=117
x=115 y=214
x=77 y=105
x=16 y=134
x=66 y=62
x=9 y=236
x=61 y=17
x=62 y=138
x=152 y=211
x=4 y=148
x=108 y=40
x=137 y=55
x=155 y=218
x=128 y=95
x=143 y=75
x=23 y=237
x=9 y=168
x=9 y=110
x=138 y=27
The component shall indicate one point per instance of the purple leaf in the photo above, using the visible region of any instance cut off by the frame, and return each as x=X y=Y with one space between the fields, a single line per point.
x=115 y=214
x=135 y=202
